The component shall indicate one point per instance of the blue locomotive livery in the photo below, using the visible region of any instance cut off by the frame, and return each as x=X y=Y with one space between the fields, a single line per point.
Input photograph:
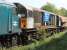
x=9 y=21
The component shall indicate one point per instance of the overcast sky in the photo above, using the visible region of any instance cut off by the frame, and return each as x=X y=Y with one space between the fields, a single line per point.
x=39 y=3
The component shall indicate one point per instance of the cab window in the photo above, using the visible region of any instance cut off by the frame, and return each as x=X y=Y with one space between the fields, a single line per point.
x=14 y=11
x=30 y=13
x=52 y=19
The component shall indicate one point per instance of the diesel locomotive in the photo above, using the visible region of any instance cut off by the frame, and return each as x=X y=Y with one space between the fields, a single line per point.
x=9 y=23
x=19 y=23
x=50 y=21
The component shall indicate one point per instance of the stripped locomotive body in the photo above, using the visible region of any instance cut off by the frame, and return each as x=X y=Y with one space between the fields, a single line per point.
x=26 y=20
x=48 y=21
x=52 y=22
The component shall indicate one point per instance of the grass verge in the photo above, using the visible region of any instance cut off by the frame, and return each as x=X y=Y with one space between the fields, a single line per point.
x=55 y=42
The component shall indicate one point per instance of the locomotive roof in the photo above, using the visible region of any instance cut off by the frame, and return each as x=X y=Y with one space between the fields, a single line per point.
x=25 y=6
x=40 y=10
x=49 y=12
x=28 y=7
x=33 y=8
x=7 y=4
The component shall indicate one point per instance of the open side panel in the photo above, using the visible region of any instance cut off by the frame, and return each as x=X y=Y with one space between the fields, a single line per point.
x=23 y=23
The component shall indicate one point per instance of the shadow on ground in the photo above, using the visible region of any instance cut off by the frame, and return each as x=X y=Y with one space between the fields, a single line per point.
x=55 y=44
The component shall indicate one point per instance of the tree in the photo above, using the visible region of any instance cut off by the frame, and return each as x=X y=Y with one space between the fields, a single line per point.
x=49 y=7
x=63 y=12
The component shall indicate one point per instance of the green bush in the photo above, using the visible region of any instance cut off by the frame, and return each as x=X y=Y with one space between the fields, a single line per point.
x=42 y=33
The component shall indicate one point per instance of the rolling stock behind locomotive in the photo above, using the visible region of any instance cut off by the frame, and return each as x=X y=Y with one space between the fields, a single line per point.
x=50 y=21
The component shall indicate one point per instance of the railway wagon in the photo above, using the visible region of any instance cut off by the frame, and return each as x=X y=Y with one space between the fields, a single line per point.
x=9 y=23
